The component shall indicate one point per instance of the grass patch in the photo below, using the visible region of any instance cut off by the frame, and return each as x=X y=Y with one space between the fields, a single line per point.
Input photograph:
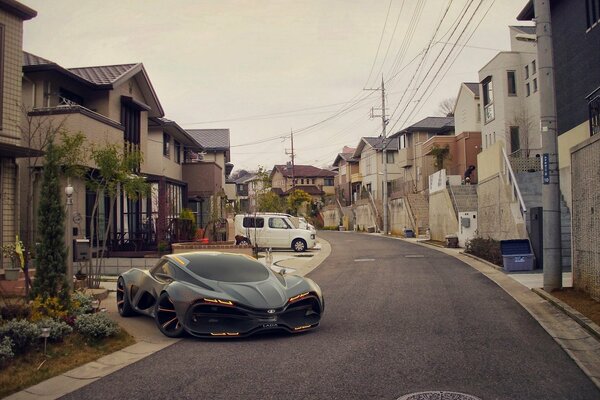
x=580 y=301
x=25 y=370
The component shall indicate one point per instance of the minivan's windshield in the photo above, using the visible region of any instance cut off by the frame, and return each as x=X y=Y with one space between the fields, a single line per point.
x=226 y=267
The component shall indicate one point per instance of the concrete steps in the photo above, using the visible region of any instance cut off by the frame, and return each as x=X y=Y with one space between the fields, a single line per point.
x=419 y=205
x=464 y=197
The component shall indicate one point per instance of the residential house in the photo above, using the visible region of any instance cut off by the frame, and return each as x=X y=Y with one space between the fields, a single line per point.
x=575 y=41
x=347 y=181
x=369 y=153
x=12 y=15
x=115 y=105
x=315 y=181
x=414 y=165
x=245 y=191
x=206 y=174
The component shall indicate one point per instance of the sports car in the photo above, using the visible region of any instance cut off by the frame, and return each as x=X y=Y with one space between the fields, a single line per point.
x=219 y=295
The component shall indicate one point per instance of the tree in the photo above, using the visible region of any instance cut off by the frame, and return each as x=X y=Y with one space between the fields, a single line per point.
x=296 y=199
x=115 y=173
x=50 y=279
x=525 y=124
x=446 y=107
x=440 y=154
x=269 y=202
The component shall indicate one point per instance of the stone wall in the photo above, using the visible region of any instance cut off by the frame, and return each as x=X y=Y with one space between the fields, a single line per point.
x=585 y=211
x=442 y=218
x=364 y=215
x=497 y=214
x=331 y=216
x=399 y=216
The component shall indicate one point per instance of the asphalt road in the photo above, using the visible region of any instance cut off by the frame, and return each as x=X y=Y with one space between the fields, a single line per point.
x=399 y=319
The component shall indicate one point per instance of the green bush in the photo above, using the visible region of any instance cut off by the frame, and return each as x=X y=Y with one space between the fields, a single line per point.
x=6 y=352
x=15 y=311
x=488 y=249
x=58 y=329
x=23 y=334
x=81 y=303
x=96 y=326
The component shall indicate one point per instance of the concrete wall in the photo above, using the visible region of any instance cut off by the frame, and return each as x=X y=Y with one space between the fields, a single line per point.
x=442 y=218
x=466 y=111
x=565 y=142
x=585 y=214
x=331 y=216
x=364 y=215
x=496 y=211
x=399 y=216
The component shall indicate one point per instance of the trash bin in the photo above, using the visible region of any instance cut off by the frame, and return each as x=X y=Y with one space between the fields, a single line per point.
x=517 y=255
x=409 y=233
x=451 y=241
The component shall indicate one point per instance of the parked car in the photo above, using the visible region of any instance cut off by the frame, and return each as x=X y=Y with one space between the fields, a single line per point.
x=275 y=231
x=219 y=295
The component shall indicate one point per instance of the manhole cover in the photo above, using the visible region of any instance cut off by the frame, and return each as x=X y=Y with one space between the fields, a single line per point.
x=437 y=395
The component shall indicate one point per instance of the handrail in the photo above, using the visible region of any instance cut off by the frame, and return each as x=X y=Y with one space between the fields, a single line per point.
x=411 y=215
x=374 y=208
x=454 y=202
x=513 y=182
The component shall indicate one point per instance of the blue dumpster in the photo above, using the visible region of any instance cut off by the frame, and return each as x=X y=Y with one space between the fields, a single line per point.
x=517 y=255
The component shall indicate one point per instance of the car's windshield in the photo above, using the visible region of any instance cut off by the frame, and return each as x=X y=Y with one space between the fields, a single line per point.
x=226 y=267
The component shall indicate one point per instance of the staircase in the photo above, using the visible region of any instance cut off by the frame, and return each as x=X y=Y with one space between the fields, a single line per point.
x=464 y=198
x=419 y=206
x=530 y=185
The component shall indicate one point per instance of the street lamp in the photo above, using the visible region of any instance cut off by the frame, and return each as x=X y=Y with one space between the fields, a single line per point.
x=68 y=232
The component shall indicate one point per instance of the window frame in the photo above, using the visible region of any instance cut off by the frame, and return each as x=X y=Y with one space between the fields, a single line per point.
x=177 y=149
x=166 y=145
x=527 y=90
x=527 y=71
x=487 y=86
x=512 y=86
x=533 y=67
x=389 y=155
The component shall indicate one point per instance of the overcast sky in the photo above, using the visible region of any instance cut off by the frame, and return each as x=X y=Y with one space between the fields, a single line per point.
x=263 y=68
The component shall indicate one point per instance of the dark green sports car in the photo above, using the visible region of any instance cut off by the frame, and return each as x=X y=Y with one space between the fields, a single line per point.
x=219 y=295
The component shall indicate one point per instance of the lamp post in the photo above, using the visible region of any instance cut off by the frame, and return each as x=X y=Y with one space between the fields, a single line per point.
x=68 y=232
x=45 y=334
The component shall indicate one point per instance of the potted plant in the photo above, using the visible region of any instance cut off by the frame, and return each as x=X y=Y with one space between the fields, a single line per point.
x=13 y=252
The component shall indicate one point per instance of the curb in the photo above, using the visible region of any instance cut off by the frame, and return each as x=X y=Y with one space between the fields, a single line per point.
x=586 y=323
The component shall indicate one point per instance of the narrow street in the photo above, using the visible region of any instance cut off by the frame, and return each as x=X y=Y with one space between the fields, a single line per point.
x=399 y=319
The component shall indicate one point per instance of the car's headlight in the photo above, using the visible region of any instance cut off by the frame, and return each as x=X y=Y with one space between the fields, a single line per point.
x=219 y=302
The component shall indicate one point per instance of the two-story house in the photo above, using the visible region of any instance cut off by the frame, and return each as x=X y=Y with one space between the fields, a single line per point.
x=12 y=15
x=315 y=181
x=206 y=195
x=369 y=153
x=347 y=168
x=117 y=105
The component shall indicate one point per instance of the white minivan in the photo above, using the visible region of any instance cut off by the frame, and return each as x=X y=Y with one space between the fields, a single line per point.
x=274 y=231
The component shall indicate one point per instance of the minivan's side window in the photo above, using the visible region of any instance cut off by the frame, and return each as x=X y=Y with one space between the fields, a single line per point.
x=251 y=222
x=278 y=223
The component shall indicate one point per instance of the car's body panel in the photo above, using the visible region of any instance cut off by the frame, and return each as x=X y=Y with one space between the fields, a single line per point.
x=213 y=308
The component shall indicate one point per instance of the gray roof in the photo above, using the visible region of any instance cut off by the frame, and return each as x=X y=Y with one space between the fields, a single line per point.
x=377 y=143
x=32 y=59
x=473 y=87
x=429 y=124
x=103 y=75
x=529 y=30
x=211 y=139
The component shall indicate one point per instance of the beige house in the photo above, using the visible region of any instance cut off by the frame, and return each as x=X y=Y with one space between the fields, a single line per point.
x=12 y=15
x=315 y=181
x=348 y=179
x=116 y=105
x=369 y=153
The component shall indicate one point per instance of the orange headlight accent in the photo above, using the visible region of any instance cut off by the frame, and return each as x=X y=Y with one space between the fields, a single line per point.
x=218 y=301
x=298 y=297
x=225 y=334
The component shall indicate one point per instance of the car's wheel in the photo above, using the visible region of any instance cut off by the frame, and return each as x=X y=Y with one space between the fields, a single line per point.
x=123 y=303
x=166 y=317
x=299 y=245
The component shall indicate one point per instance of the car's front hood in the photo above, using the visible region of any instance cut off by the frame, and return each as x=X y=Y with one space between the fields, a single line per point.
x=256 y=294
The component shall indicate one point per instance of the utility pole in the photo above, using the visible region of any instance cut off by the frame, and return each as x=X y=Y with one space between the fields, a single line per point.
x=292 y=155
x=384 y=156
x=550 y=184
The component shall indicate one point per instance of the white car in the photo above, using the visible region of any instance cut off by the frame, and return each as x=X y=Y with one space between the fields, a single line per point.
x=272 y=230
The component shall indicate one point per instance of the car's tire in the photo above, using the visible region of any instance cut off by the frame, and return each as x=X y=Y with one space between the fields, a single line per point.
x=166 y=318
x=299 y=245
x=123 y=303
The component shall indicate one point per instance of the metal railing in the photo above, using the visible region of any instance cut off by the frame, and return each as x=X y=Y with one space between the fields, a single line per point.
x=508 y=173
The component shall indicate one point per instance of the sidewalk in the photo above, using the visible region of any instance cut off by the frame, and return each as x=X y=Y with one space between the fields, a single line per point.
x=143 y=329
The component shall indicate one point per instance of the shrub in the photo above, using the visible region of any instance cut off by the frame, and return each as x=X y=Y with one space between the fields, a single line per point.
x=58 y=329
x=15 y=311
x=22 y=333
x=96 y=326
x=488 y=249
x=6 y=352
x=51 y=307
x=81 y=303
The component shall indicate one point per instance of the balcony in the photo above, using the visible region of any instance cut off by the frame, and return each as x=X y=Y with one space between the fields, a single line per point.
x=204 y=179
x=356 y=178
x=406 y=157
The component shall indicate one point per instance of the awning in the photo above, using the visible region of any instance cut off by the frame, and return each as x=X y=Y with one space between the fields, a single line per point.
x=8 y=150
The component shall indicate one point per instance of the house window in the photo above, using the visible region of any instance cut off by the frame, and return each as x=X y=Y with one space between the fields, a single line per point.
x=68 y=98
x=369 y=187
x=512 y=83
x=526 y=71
x=328 y=182
x=535 y=85
x=478 y=112
x=592 y=9
x=177 y=152
x=515 y=141
x=594 y=109
x=389 y=157
x=313 y=181
x=402 y=141
x=166 y=145
x=533 y=67
x=527 y=89
x=488 y=99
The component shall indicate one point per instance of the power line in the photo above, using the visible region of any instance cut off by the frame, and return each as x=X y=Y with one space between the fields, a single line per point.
x=379 y=45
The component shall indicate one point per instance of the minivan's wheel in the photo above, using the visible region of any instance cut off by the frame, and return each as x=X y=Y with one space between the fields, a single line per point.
x=299 y=245
x=166 y=317
x=123 y=304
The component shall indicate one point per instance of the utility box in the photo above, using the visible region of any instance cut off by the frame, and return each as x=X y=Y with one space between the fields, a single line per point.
x=81 y=248
x=467 y=227
x=517 y=255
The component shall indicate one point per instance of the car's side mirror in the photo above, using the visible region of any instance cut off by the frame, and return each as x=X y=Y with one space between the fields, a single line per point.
x=163 y=277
